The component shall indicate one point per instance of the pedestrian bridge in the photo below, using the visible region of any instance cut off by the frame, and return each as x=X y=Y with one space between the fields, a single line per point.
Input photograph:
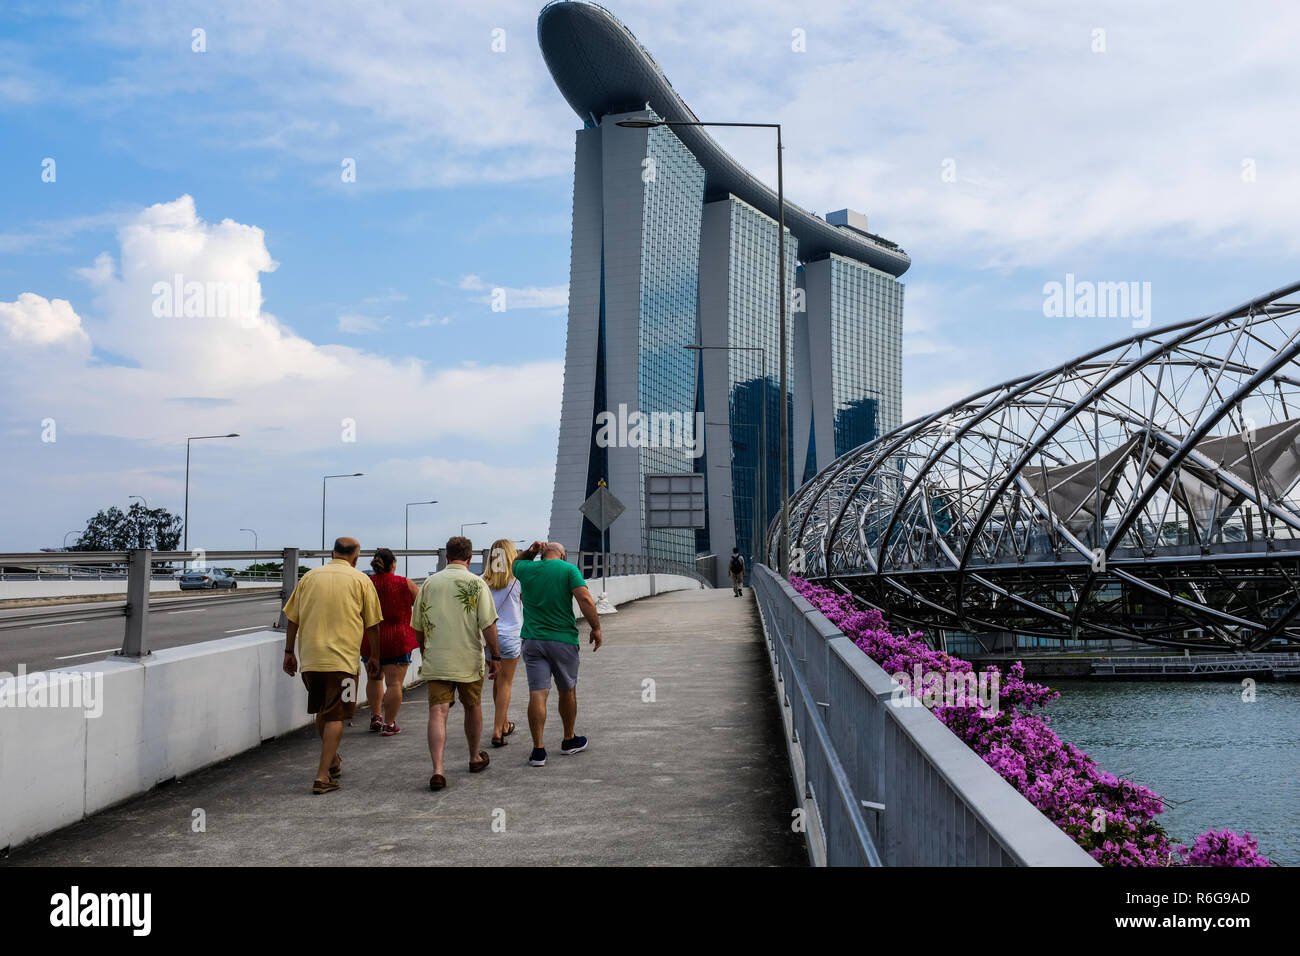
x=714 y=741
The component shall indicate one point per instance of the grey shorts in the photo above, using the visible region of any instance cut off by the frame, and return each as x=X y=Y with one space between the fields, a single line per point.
x=546 y=659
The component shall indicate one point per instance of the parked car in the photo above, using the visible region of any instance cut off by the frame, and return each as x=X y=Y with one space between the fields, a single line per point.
x=209 y=578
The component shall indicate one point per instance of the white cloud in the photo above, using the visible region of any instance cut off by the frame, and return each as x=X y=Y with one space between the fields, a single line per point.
x=530 y=297
x=429 y=321
x=35 y=320
x=277 y=389
x=360 y=324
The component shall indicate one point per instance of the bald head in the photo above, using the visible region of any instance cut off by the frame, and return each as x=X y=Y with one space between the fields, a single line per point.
x=553 y=550
x=349 y=549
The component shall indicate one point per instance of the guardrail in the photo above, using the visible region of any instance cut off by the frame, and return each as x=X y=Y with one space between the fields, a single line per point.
x=883 y=784
x=140 y=572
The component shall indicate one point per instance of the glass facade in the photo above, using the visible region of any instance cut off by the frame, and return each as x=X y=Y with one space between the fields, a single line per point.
x=754 y=322
x=673 y=203
x=866 y=326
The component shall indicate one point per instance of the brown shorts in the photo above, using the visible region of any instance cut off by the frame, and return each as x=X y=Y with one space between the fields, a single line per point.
x=332 y=694
x=441 y=691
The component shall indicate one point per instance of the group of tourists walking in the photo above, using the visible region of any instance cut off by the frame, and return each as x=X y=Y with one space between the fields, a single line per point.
x=468 y=627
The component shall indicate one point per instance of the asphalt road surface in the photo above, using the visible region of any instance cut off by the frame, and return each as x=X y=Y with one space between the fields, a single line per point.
x=72 y=642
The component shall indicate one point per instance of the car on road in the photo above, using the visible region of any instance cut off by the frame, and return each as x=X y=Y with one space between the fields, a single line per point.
x=195 y=580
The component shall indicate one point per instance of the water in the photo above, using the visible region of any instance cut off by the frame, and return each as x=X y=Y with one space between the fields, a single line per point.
x=1218 y=761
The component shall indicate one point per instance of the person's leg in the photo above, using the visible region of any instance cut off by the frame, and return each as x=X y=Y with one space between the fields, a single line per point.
x=568 y=701
x=473 y=727
x=537 y=715
x=374 y=696
x=437 y=734
x=394 y=677
x=501 y=689
x=331 y=732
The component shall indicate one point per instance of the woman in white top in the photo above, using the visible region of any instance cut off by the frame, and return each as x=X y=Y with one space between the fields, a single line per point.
x=510 y=621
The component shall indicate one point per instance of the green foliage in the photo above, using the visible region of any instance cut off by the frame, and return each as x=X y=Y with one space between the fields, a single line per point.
x=113 y=529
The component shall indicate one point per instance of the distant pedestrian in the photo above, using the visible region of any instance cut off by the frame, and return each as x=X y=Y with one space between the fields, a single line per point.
x=736 y=568
x=332 y=607
x=453 y=617
x=550 y=637
x=507 y=596
x=396 y=642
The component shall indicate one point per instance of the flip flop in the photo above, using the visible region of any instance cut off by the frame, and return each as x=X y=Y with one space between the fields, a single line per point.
x=336 y=770
x=499 y=741
x=324 y=786
x=437 y=782
x=510 y=728
x=481 y=764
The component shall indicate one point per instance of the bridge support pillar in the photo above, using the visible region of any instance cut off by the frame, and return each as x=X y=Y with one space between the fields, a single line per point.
x=136 y=642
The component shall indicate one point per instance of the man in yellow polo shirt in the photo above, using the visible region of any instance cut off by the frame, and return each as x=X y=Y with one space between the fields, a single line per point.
x=452 y=609
x=332 y=607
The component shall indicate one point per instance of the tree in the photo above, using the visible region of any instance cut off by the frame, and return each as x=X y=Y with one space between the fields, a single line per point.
x=113 y=529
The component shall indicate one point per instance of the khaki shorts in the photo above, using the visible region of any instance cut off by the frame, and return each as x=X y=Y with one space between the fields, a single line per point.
x=331 y=694
x=441 y=691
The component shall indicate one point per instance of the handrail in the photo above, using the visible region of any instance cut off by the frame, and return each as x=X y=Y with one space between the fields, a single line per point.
x=887 y=784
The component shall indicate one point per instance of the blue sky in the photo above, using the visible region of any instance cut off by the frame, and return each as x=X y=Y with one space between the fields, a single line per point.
x=1157 y=151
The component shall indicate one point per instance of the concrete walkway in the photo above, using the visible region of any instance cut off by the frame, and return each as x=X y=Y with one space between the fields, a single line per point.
x=699 y=776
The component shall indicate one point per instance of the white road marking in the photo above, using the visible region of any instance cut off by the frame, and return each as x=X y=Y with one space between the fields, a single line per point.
x=69 y=657
x=62 y=624
x=255 y=627
x=197 y=610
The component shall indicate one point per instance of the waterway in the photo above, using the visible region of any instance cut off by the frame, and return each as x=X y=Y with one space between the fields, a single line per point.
x=1217 y=760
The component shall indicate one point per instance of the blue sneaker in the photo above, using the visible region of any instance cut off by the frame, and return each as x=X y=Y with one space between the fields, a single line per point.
x=538 y=757
x=573 y=745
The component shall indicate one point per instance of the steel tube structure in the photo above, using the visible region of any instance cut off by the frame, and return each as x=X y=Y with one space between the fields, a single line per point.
x=1110 y=496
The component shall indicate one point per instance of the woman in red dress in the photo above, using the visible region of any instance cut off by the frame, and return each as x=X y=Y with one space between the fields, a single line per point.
x=397 y=640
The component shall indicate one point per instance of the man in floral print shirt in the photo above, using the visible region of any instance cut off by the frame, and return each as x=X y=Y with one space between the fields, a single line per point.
x=452 y=609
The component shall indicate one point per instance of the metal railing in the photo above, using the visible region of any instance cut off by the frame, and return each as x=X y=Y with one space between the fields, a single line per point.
x=884 y=784
x=139 y=568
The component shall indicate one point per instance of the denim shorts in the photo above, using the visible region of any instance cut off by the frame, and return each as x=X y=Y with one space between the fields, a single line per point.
x=385 y=661
x=546 y=659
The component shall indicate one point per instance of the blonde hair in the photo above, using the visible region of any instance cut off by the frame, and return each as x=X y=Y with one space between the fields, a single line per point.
x=500 y=560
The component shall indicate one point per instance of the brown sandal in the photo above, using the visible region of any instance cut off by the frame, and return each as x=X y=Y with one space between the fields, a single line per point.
x=324 y=786
x=336 y=768
x=437 y=782
x=479 y=765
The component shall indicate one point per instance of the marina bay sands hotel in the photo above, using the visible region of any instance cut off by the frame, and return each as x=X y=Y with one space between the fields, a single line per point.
x=674 y=312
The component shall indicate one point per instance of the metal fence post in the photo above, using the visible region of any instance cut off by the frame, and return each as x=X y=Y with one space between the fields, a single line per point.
x=288 y=581
x=136 y=643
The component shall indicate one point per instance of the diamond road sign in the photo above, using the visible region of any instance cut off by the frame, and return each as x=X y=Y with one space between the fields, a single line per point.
x=602 y=508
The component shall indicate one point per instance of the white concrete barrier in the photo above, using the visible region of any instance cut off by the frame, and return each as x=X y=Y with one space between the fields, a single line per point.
x=77 y=740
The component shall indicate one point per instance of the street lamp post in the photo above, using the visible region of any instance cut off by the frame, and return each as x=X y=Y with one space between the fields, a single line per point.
x=185 y=546
x=406 y=559
x=785 y=386
x=760 y=535
x=355 y=474
x=146 y=508
x=469 y=524
x=254 y=534
x=759 y=483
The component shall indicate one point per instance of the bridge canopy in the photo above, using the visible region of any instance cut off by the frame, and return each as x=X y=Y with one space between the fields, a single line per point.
x=1146 y=490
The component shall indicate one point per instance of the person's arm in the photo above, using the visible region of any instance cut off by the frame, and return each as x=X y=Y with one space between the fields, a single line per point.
x=374 y=670
x=412 y=587
x=494 y=649
x=533 y=551
x=290 y=638
x=588 y=608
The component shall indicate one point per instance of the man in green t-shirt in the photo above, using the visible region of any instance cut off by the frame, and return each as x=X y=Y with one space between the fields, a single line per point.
x=550 y=635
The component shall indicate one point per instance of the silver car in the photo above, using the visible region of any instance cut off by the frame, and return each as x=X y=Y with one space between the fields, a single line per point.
x=209 y=578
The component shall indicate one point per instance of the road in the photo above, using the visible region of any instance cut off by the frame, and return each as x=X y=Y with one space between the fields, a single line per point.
x=71 y=642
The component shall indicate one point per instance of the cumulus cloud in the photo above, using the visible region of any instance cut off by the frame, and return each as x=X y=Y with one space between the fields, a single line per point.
x=36 y=320
x=181 y=306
